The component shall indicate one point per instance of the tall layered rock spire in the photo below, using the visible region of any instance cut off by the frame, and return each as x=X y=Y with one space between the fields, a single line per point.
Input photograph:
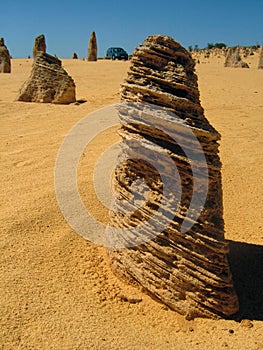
x=186 y=269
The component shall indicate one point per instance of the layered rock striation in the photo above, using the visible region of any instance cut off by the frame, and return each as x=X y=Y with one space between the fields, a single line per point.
x=185 y=265
x=48 y=82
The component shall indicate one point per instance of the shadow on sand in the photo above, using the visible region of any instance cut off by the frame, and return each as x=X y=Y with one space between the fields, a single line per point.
x=246 y=261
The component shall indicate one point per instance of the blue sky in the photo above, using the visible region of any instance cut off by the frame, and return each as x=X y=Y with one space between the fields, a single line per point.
x=67 y=24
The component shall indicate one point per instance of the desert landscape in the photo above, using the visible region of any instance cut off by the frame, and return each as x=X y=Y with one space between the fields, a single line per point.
x=57 y=289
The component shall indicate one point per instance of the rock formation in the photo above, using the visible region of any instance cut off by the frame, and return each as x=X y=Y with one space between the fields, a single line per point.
x=207 y=54
x=186 y=270
x=260 y=62
x=92 y=48
x=48 y=82
x=75 y=56
x=5 y=62
x=39 y=45
x=233 y=59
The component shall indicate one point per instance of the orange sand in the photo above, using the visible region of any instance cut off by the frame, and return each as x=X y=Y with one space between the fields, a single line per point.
x=57 y=290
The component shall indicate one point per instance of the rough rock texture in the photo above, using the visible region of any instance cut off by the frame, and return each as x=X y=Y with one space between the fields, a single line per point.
x=74 y=56
x=234 y=60
x=188 y=271
x=5 y=62
x=39 y=45
x=92 y=48
x=48 y=82
x=260 y=62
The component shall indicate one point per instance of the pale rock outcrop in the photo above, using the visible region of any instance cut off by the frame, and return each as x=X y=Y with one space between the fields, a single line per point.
x=48 y=82
x=260 y=61
x=187 y=271
x=233 y=59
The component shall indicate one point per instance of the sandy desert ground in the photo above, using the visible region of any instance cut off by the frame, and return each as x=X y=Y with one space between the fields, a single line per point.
x=57 y=289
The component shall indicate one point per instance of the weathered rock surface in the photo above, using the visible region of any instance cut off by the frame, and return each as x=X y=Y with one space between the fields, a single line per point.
x=48 y=82
x=5 y=62
x=39 y=45
x=233 y=59
x=260 y=62
x=92 y=48
x=187 y=271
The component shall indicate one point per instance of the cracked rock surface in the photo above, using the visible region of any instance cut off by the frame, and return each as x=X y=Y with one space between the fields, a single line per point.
x=186 y=270
x=48 y=82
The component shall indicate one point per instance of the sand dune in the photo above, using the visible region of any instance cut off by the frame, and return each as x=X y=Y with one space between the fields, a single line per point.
x=57 y=290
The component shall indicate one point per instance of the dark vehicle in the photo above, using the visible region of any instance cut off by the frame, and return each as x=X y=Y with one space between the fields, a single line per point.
x=116 y=53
